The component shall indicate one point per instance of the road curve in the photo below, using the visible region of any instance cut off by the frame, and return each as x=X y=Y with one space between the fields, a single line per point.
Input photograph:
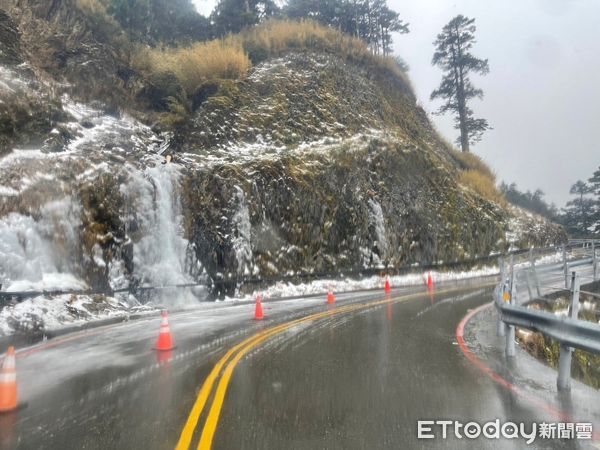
x=356 y=375
x=363 y=380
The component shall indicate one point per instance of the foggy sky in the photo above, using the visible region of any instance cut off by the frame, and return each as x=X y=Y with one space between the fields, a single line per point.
x=541 y=96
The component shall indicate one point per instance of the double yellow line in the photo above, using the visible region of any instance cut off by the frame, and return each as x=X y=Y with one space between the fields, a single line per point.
x=232 y=358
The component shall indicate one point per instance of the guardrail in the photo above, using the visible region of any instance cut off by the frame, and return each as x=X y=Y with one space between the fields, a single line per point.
x=539 y=280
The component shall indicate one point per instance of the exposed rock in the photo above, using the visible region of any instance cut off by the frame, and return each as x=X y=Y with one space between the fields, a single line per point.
x=85 y=52
x=301 y=98
x=162 y=89
x=29 y=110
x=10 y=52
x=310 y=210
x=312 y=163
x=526 y=229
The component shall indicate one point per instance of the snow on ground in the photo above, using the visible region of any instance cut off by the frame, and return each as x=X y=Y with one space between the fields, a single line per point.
x=539 y=261
x=264 y=149
x=49 y=282
x=283 y=289
x=10 y=81
x=44 y=314
x=549 y=259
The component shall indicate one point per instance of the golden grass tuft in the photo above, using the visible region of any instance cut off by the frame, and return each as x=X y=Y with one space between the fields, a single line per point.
x=483 y=184
x=194 y=65
x=231 y=57
x=470 y=161
x=275 y=37
x=477 y=175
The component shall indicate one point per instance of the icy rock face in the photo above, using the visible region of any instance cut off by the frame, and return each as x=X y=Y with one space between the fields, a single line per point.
x=377 y=224
x=338 y=170
x=35 y=254
x=161 y=256
x=242 y=241
x=310 y=164
x=99 y=211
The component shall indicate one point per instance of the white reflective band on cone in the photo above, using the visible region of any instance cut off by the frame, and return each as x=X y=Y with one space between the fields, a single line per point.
x=9 y=362
x=8 y=377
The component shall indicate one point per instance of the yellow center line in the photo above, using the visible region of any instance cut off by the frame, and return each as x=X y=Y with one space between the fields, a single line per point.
x=187 y=433
x=231 y=359
x=212 y=420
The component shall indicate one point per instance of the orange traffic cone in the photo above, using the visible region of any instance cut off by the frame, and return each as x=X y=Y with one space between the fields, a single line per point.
x=258 y=310
x=165 y=340
x=8 y=382
x=330 y=297
x=429 y=282
x=387 y=287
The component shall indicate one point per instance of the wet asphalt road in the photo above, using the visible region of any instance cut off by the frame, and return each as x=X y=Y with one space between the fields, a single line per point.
x=359 y=380
x=363 y=381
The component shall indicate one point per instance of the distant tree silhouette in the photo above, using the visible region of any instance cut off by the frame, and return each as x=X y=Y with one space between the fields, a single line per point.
x=166 y=21
x=531 y=201
x=231 y=16
x=578 y=215
x=594 y=183
x=370 y=20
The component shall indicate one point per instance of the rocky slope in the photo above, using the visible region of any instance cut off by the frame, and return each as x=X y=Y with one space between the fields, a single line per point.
x=312 y=163
x=82 y=50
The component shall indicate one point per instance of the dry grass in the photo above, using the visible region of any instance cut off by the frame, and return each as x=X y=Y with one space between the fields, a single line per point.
x=276 y=37
x=194 y=65
x=482 y=184
x=477 y=175
x=231 y=57
x=470 y=161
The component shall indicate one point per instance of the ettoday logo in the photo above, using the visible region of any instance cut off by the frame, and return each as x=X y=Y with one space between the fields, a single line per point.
x=434 y=429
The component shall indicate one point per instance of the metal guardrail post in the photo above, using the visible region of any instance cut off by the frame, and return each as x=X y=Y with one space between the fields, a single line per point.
x=594 y=260
x=500 y=331
x=510 y=329
x=565 y=266
x=534 y=272
x=501 y=327
x=564 y=364
x=569 y=332
x=531 y=257
x=512 y=267
x=528 y=280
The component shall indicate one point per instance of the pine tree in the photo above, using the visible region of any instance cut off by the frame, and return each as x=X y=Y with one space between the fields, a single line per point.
x=579 y=213
x=231 y=16
x=370 y=20
x=532 y=201
x=386 y=22
x=594 y=183
x=453 y=56
x=166 y=21
x=133 y=15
